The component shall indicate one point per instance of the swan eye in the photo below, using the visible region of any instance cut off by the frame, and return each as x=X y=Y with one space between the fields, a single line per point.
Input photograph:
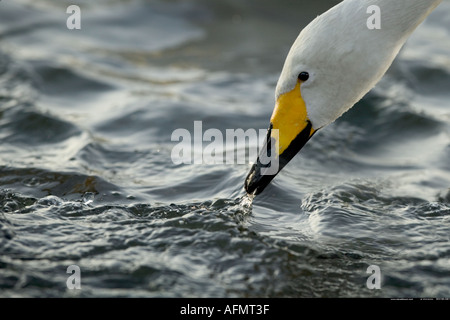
x=303 y=76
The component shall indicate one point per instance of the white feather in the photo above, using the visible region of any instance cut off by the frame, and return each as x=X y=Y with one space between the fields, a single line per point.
x=345 y=59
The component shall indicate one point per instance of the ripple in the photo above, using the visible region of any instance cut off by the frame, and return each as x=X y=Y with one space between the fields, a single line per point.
x=29 y=127
x=48 y=183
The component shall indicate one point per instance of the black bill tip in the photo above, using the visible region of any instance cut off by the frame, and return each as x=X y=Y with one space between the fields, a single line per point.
x=260 y=174
x=256 y=182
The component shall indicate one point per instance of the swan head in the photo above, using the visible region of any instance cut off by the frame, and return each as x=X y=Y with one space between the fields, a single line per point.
x=332 y=64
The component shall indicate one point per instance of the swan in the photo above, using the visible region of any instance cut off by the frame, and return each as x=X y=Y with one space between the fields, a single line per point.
x=334 y=62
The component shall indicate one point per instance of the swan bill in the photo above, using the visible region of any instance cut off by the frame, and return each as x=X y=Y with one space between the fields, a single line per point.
x=290 y=129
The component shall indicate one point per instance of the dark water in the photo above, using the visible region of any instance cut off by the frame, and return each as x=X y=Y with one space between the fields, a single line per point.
x=86 y=176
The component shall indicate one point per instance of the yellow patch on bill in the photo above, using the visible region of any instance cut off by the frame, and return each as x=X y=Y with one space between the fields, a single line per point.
x=289 y=117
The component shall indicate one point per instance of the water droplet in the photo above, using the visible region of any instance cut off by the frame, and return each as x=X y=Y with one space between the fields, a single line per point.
x=9 y=205
x=31 y=182
x=50 y=201
x=88 y=198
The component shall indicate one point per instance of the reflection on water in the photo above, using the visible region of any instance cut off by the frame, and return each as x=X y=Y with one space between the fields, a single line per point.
x=86 y=176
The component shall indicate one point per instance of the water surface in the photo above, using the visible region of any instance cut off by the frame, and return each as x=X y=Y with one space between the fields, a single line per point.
x=86 y=175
